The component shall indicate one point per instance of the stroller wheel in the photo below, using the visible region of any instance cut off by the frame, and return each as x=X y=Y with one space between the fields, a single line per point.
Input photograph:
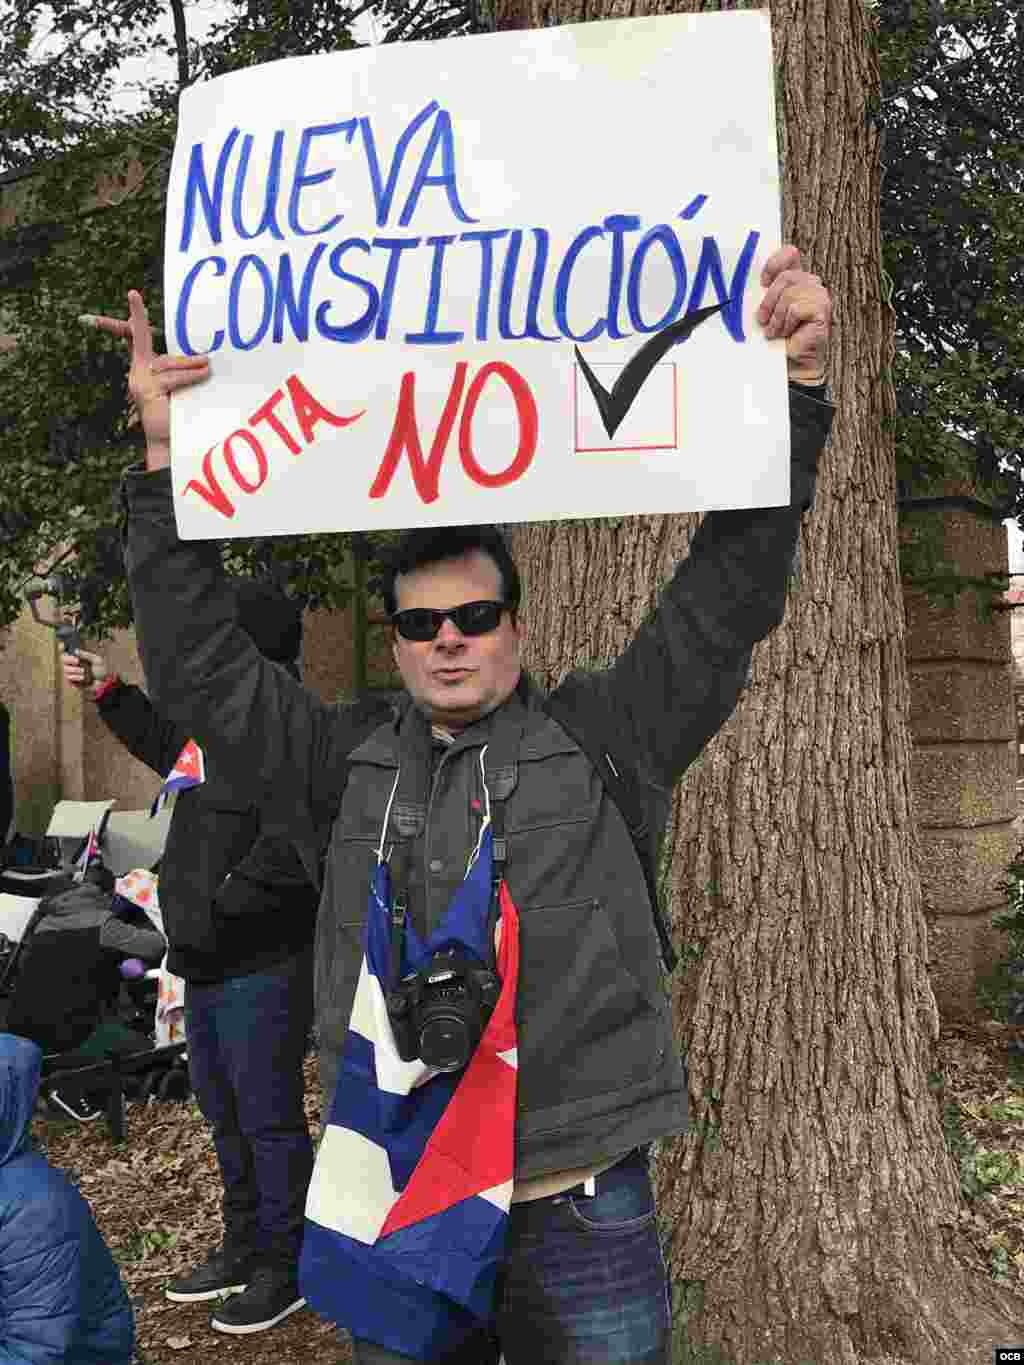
x=149 y=1085
x=174 y=1085
x=132 y=1085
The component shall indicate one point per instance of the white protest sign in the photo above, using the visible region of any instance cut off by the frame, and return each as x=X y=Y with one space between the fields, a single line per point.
x=15 y=913
x=74 y=819
x=473 y=280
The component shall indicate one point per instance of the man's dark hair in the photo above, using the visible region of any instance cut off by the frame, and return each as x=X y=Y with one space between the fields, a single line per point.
x=417 y=549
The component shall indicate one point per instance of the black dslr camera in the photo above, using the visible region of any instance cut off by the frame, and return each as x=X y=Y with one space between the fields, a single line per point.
x=439 y=1013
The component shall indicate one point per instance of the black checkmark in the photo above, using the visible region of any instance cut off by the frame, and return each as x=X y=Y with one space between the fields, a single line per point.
x=613 y=406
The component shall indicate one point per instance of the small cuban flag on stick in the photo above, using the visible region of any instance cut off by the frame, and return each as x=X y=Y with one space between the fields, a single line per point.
x=89 y=854
x=189 y=771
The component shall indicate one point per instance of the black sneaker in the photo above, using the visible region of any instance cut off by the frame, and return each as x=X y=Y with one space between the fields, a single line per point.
x=220 y=1274
x=77 y=1107
x=271 y=1296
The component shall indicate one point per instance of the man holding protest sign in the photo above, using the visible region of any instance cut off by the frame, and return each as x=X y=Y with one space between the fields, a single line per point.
x=471 y=810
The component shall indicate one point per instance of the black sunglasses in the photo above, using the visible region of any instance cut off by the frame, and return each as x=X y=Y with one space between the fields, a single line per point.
x=472 y=618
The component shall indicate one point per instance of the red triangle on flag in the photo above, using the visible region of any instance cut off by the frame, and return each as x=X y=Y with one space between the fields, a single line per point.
x=189 y=762
x=472 y=1148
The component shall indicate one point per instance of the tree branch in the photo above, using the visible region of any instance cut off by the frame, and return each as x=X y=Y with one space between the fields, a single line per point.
x=180 y=42
x=934 y=73
x=440 y=28
x=352 y=15
x=409 y=21
x=77 y=41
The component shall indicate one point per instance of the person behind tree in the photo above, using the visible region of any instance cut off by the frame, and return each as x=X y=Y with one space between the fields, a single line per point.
x=580 y=1275
x=61 y=1296
x=239 y=914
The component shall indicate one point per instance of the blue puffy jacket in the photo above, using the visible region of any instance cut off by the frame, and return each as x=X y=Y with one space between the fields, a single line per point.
x=61 y=1297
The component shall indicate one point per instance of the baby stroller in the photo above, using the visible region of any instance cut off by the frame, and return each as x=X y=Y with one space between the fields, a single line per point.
x=81 y=983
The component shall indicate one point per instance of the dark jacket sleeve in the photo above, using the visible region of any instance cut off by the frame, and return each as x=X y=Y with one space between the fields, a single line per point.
x=132 y=940
x=681 y=676
x=131 y=716
x=263 y=732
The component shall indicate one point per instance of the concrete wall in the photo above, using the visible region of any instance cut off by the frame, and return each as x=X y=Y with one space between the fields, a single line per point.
x=964 y=762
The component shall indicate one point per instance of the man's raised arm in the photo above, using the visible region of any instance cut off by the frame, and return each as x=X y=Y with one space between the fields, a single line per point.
x=266 y=733
x=679 y=679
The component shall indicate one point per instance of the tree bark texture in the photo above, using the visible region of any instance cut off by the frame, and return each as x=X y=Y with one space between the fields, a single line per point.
x=810 y=1215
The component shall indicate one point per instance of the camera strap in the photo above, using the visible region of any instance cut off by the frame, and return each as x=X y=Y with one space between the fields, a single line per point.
x=399 y=873
x=500 y=777
x=404 y=819
x=499 y=859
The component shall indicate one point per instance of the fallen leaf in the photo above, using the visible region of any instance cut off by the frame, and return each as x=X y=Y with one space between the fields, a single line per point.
x=179 y=1343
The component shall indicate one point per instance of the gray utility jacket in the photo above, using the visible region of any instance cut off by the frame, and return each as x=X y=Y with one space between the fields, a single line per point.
x=598 y=1071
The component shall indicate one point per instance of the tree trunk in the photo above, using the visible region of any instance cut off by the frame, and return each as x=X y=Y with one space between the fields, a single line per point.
x=811 y=1213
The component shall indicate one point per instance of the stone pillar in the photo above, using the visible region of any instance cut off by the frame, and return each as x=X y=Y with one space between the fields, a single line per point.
x=28 y=687
x=964 y=763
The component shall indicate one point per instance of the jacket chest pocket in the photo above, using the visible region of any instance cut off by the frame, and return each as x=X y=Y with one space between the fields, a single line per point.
x=364 y=805
x=556 y=788
x=211 y=840
x=585 y=1025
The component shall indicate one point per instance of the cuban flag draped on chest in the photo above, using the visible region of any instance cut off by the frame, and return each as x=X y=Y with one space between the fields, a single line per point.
x=408 y=1205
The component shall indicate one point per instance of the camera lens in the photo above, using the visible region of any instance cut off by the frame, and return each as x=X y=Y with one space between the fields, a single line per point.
x=445 y=1042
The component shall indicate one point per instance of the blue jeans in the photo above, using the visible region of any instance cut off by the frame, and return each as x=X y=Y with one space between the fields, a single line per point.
x=583 y=1281
x=246 y=1040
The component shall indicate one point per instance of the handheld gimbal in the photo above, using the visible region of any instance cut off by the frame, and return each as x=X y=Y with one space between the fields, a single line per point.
x=66 y=630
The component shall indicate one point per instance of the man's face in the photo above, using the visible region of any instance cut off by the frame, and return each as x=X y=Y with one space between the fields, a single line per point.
x=454 y=678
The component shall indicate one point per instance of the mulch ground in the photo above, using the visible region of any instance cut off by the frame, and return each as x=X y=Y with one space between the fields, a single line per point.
x=156 y=1198
x=983 y=1117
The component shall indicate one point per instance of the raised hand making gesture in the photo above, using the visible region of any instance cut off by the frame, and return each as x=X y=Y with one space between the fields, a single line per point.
x=151 y=378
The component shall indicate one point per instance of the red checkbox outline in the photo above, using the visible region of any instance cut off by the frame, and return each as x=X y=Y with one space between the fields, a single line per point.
x=622 y=450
